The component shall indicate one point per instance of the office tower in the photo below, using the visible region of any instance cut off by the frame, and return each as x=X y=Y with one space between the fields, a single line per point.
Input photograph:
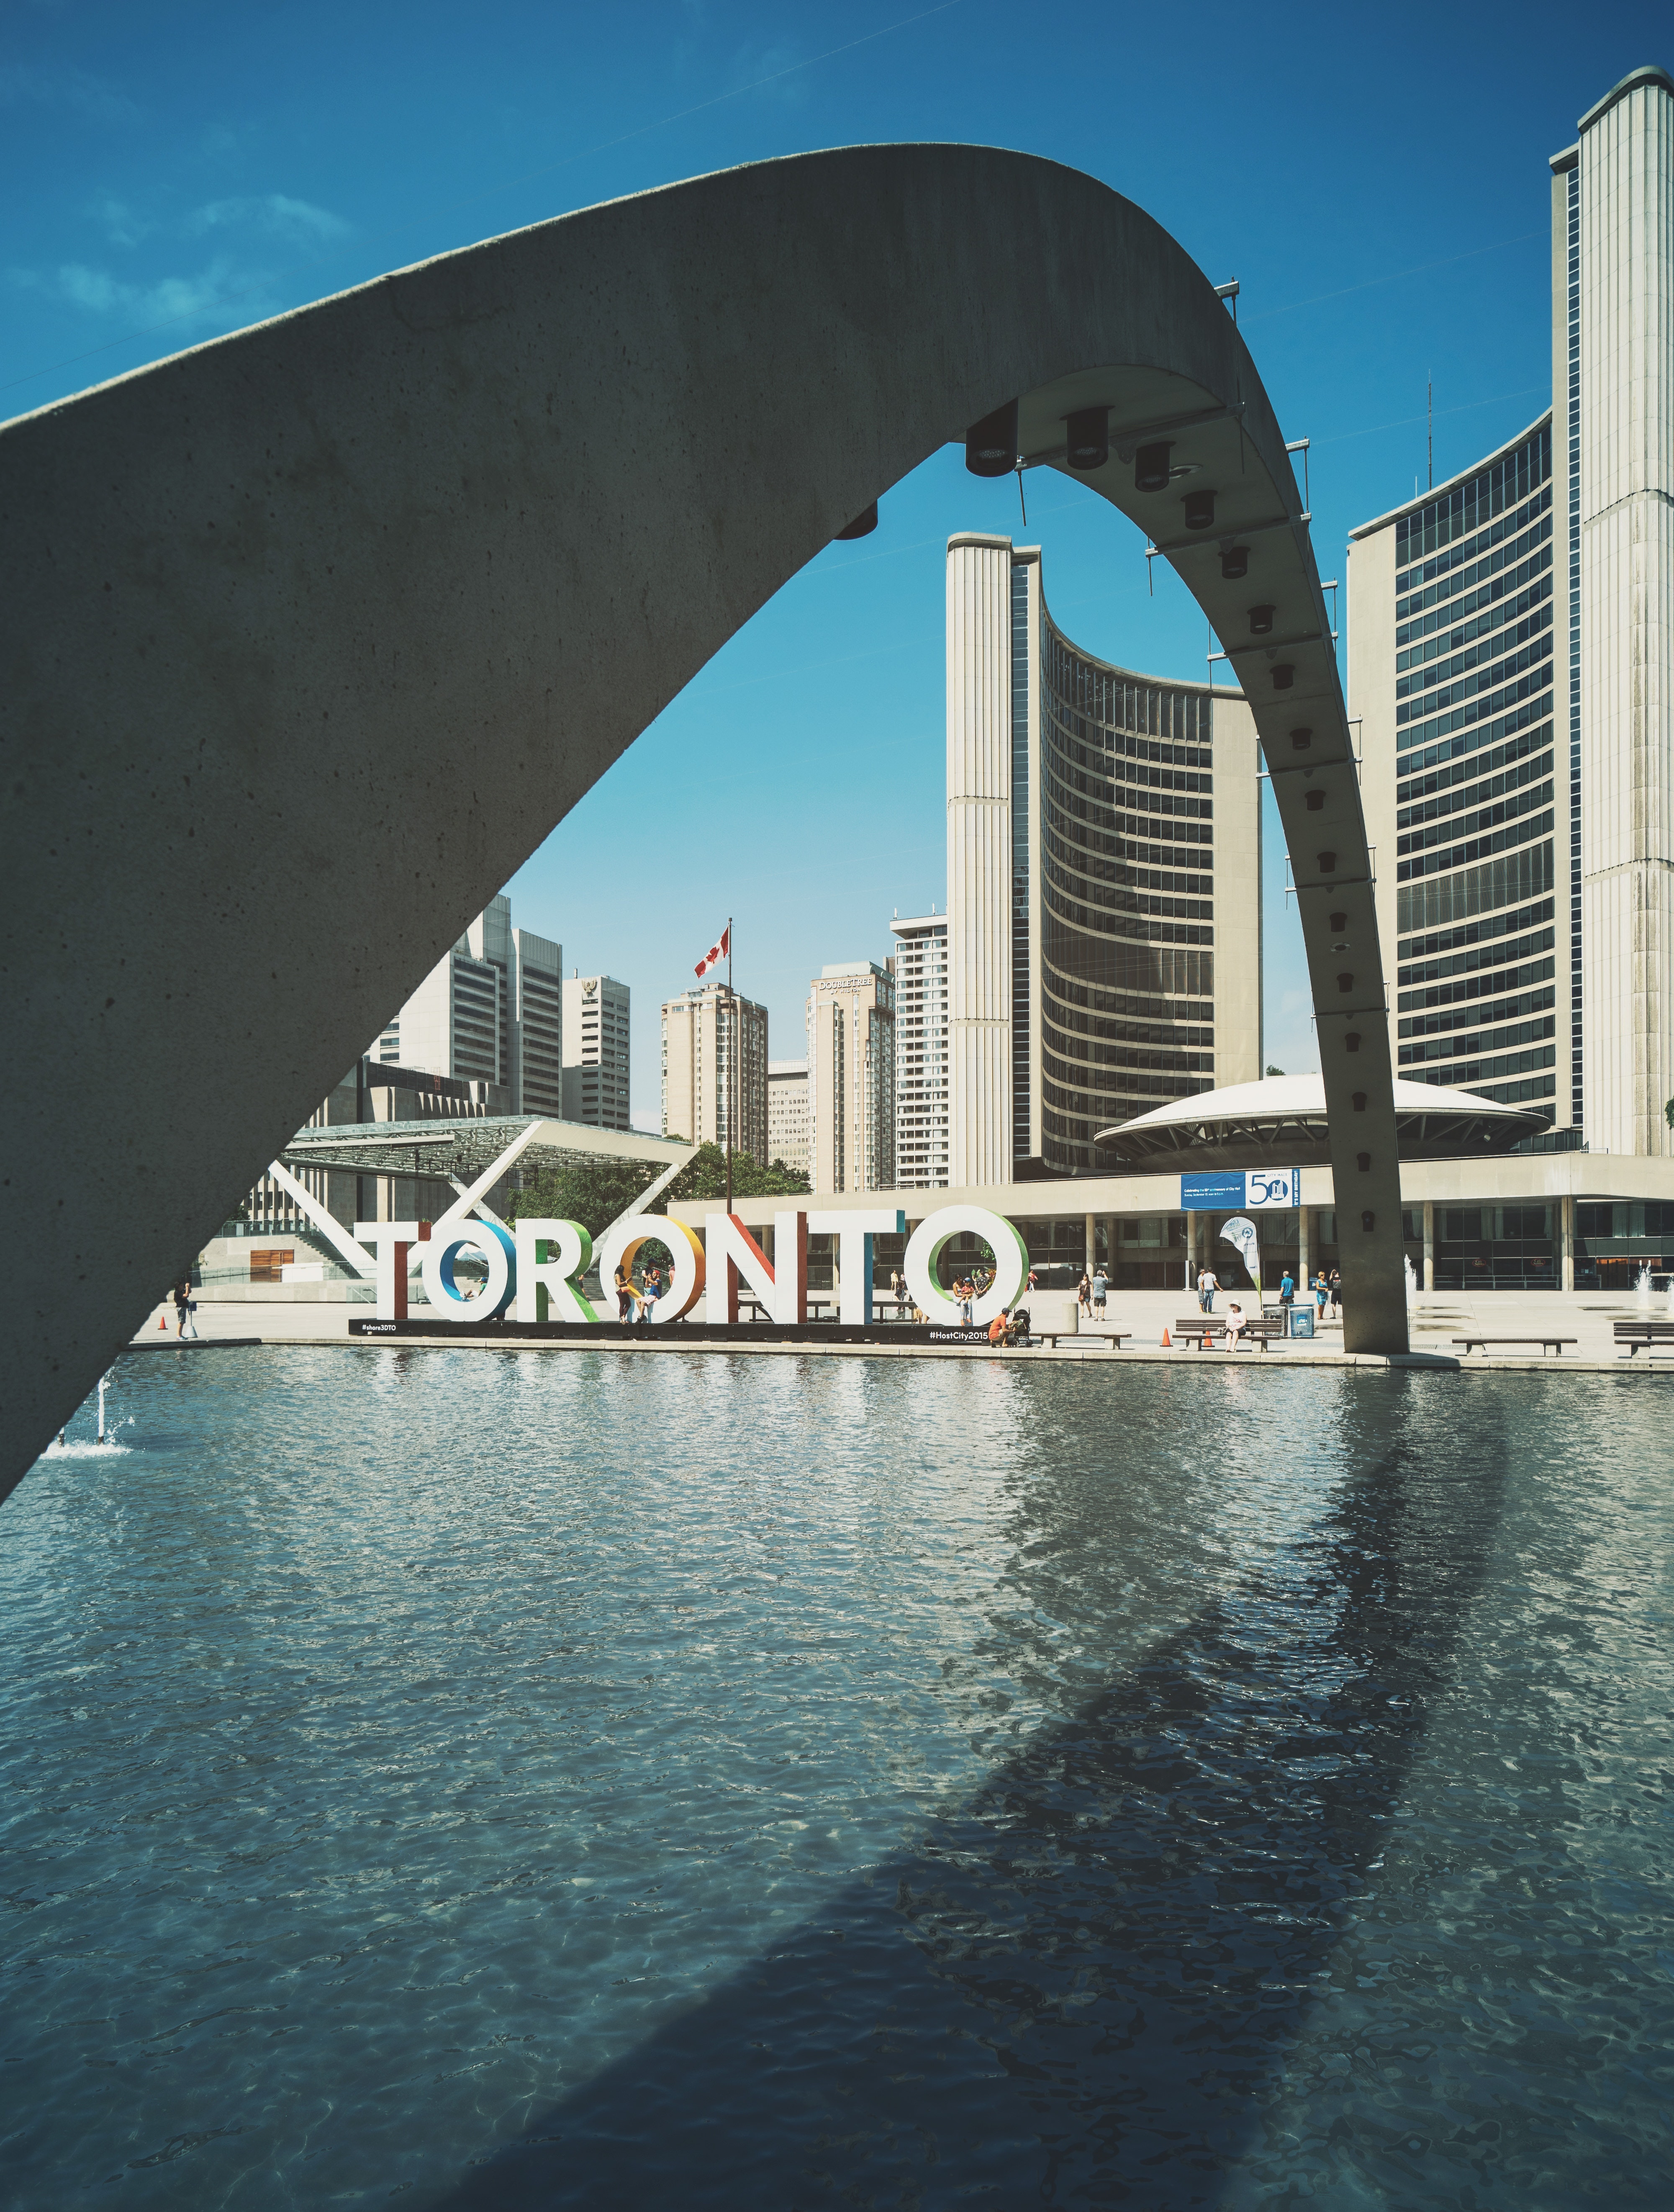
x=787 y=1113
x=596 y=1051
x=921 y=1052
x=850 y=1021
x=1512 y=657
x=1104 y=882
x=488 y=1012
x=702 y=1032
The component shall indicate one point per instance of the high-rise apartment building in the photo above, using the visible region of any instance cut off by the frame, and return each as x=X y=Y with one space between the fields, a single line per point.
x=851 y=1019
x=1104 y=882
x=596 y=1051
x=921 y=1052
x=490 y=1011
x=1512 y=657
x=707 y=1034
x=787 y=1113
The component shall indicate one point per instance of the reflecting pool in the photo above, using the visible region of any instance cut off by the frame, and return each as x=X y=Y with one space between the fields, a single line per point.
x=495 y=1780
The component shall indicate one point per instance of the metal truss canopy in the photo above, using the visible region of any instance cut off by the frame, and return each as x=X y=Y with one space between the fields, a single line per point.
x=440 y=1149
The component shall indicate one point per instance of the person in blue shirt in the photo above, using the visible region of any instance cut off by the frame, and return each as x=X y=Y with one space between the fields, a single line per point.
x=1287 y=1289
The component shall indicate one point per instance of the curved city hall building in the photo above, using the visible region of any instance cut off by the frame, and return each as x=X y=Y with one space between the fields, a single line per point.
x=1104 y=879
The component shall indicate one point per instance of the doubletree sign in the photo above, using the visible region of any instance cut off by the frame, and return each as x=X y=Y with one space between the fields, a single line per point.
x=535 y=1268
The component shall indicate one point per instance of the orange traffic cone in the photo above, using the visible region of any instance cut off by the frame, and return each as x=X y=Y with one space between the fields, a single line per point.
x=162 y=1322
x=1168 y=1344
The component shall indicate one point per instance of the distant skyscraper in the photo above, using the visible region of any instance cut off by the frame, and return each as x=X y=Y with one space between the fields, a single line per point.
x=702 y=1030
x=596 y=1051
x=921 y=1053
x=1512 y=657
x=1104 y=883
x=850 y=1019
x=787 y=1113
x=488 y=1012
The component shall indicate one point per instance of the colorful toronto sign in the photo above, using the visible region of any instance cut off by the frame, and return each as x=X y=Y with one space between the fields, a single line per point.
x=535 y=1267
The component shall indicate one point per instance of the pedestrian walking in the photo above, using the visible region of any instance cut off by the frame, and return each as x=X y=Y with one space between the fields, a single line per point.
x=1207 y=1287
x=1099 y=1289
x=1322 y=1290
x=1084 y=1292
x=1287 y=1289
x=1336 y=1292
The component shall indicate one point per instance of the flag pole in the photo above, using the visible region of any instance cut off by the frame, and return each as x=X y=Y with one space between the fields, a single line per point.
x=732 y=1087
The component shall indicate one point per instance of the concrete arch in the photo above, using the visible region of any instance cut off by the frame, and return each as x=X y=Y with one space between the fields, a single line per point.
x=314 y=632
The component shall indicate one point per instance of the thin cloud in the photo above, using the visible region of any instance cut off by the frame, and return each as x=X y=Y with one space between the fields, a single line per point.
x=32 y=84
x=220 y=294
x=298 y=222
x=774 y=71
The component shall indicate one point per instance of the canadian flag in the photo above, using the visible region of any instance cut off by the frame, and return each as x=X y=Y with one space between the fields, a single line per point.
x=716 y=954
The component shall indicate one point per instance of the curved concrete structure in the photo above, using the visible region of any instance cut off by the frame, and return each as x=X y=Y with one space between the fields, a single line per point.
x=314 y=634
x=1284 y=1121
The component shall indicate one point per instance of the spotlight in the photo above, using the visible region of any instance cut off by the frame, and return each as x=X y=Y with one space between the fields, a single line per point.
x=1339 y=922
x=1261 y=621
x=1283 y=676
x=1345 y=981
x=1364 y=1161
x=1327 y=863
x=1316 y=799
x=1235 y=563
x=1300 y=740
x=1351 y=1043
x=1368 y=1221
x=1088 y=443
x=990 y=445
x=1150 y=468
x=863 y=524
x=1360 y=1102
x=1199 y=510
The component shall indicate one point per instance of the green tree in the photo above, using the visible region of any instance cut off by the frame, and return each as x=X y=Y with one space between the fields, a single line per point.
x=591 y=1192
x=1276 y=1071
x=704 y=1177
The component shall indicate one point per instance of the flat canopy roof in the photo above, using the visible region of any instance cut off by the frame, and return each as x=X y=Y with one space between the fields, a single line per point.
x=466 y=1146
x=1254 y=1125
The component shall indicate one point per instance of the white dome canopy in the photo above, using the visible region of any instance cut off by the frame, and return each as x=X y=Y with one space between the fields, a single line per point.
x=1252 y=1124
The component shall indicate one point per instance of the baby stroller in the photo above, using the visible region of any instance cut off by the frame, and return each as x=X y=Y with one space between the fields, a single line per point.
x=1020 y=1325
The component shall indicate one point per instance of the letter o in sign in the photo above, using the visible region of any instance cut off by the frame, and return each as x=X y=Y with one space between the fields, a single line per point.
x=441 y=1285
x=924 y=1248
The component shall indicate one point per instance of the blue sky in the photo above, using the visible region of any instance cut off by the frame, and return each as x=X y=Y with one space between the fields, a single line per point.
x=1375 y=179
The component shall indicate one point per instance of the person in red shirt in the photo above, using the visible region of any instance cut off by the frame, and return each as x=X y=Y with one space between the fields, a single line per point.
x=999 y=1329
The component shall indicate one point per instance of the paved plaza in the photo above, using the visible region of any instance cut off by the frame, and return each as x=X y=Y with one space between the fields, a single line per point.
x=1438 y=1318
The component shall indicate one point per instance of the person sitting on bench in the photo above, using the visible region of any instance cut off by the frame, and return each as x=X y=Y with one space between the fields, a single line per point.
x=1234 y=1326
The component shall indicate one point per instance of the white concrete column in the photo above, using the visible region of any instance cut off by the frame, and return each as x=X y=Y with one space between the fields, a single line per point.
x=1567 y=1244
x=1192 y=1262
x=1626 y=617
x=1429 y=1245
x=1304 y=1246
x=978 y=860
x=1092 y=1241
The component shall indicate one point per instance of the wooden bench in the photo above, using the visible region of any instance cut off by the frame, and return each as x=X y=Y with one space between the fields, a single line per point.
x=1193 y=1330
x=1117 y=1337
x=1557 y=1343
x=1635 y=1333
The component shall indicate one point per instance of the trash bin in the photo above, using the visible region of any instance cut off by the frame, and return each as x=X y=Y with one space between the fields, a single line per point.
x=1302 y=1320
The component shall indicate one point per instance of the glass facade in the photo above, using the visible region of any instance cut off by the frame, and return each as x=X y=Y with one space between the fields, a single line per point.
x=1126 y=961
x=1478 y=769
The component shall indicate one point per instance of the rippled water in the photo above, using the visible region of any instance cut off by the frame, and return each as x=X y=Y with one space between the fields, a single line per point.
x=503 y=1780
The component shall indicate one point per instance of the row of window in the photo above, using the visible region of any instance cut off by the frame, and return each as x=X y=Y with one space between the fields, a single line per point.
x=1449 y=1020
x=1110 y=755
x=1509 y=569
x=1502 y=952
x=1480 y=1073
x=1523 y=530
x=1483 y=764
x=1475 y=739
x=1484 y=818
x=1113 y=883
x=1491 y=492
x=1098 y=816
x=1196 y=981
x=1461 y=799
x=1474 y=848
x=1482 y=667
x=1461 y=633
x=1170 y=791
x=1479 y=987
x=1123 y=702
